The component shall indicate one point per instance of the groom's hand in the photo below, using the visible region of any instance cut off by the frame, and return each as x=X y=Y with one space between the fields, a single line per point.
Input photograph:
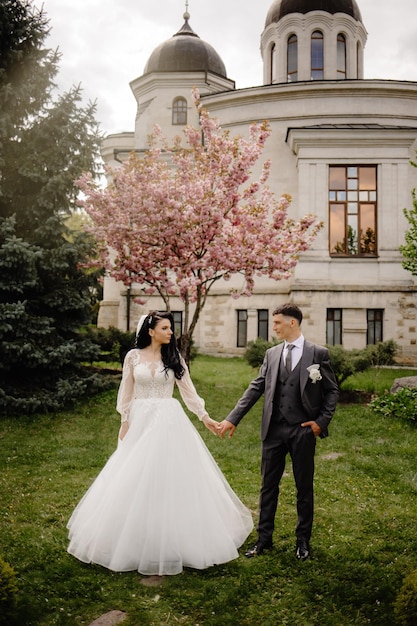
x=225 y=427
x=314 y=427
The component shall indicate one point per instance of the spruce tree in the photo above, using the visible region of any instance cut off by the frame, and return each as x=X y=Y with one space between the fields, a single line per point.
x=46 y=142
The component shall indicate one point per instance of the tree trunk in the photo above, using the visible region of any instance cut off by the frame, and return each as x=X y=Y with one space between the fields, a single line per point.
x=184 y=346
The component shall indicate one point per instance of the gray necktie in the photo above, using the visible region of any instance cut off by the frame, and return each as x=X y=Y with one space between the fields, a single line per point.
x=290 y=346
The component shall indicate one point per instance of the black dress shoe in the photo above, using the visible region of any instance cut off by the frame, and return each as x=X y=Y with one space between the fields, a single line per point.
x=302 y=550
x=257 y=550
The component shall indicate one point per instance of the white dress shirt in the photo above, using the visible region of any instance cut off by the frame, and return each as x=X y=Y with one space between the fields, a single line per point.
x=297 y=350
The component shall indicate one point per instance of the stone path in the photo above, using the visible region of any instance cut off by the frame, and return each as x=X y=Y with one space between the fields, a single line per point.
x=152 y=581
x=117 y=617
x=110 y=619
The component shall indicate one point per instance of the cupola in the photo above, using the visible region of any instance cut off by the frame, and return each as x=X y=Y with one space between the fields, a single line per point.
x=307 y=40
x=185 y=52
x=281 y=8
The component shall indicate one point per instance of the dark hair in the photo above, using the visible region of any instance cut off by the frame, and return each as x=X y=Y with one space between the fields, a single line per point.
x=169 y=352
x=289 y=310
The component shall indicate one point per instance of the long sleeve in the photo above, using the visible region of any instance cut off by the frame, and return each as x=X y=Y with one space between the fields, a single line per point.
x=330 y=393
x=189 y=394
x=252 y=394
x=126 y=389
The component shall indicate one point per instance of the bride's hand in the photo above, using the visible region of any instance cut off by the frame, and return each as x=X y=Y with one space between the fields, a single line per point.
x=211 y=424
x=123 y=430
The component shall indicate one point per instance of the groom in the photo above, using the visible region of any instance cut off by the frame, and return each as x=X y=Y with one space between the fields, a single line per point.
x=300 y=396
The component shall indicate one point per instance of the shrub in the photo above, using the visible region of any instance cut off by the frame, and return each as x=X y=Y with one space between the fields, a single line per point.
x=255 y=351
x=8 y=592
x=113 y=343
x=383 y=353
x=348 y=362
x=344 y=362
x=405 y=606
x=402 y=404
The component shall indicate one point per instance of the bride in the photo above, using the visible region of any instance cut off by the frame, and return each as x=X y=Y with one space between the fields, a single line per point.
x=161 y=502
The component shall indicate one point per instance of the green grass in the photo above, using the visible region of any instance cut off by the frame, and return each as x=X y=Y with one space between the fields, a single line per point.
x=364 y=538
x=376 y=379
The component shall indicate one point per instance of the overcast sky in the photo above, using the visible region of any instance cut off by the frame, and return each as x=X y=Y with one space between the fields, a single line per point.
x=105 y=44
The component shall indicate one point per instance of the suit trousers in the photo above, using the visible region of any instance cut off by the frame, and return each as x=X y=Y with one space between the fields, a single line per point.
x=300 y=443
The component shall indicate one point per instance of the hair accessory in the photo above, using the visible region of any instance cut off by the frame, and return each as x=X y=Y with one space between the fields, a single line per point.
x=140 y=323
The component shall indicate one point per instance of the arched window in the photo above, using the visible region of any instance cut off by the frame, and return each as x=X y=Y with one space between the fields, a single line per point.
x=358 y=60
x=179 y=111
x=317 y=56
x=292 y=59
x=341 y=56
x=272 y=64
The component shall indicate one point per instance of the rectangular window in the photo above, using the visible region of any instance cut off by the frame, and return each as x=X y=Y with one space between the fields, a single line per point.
x=263 y=316
x=177 y=315
x=374 y=326
x=242 y=328
x=334 y=327
x=353 y=210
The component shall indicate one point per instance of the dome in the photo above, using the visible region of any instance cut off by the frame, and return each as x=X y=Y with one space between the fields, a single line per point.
x=281 y=8
x=185 y=52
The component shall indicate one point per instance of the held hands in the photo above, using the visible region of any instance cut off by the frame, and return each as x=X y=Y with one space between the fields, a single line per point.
x=211 y=424
x=217 y=428
x=225 y=427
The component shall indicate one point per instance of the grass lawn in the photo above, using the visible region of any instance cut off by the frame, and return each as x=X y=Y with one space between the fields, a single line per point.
x=364 y=538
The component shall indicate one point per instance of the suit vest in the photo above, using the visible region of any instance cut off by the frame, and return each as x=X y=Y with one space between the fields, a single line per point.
x=287 y=398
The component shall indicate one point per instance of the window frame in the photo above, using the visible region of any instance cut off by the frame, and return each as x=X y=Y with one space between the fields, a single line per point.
x=334 y=327
x=272 y=51
x=263 y=324
x=317 y=55
x=353 y=205
x=341 y=56
x=242 y=328
x=179 y=114
x=178 y=322
x=292 y=58
x=375 y=326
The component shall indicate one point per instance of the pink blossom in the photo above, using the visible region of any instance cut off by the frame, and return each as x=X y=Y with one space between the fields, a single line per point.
x=177 y=219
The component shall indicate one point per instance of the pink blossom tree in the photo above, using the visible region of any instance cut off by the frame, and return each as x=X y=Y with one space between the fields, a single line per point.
x=177 y=219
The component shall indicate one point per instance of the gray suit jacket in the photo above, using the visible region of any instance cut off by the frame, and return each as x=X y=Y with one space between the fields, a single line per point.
x=318 y=399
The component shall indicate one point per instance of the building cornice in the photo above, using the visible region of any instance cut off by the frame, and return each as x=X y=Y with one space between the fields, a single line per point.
x=371 y=88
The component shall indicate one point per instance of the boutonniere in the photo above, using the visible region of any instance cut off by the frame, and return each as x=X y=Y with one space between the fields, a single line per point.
x=314 y=372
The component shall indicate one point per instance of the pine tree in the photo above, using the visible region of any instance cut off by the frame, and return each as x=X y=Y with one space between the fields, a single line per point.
x=46 y=141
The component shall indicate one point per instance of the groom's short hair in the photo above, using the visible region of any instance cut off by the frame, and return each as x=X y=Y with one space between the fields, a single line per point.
x=289 y=310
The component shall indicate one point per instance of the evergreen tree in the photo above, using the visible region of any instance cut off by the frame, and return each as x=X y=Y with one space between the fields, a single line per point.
x=46 y=142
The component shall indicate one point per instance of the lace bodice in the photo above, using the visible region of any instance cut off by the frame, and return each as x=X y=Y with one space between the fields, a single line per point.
x=143 y=379
x=150 y=380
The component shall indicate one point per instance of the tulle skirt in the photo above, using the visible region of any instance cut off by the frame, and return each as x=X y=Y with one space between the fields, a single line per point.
x=161 y=502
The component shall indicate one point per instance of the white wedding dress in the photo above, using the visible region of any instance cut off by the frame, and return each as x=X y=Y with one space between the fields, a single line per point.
x=160 y=503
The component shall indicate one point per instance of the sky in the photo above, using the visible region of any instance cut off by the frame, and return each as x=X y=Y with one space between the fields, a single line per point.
x=105 y=44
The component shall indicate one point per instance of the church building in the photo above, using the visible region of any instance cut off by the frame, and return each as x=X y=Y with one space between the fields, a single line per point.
x=340 y=145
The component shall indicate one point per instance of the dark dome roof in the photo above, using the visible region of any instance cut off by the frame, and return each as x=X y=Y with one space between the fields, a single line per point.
x=185 y=52
x=281 y=8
